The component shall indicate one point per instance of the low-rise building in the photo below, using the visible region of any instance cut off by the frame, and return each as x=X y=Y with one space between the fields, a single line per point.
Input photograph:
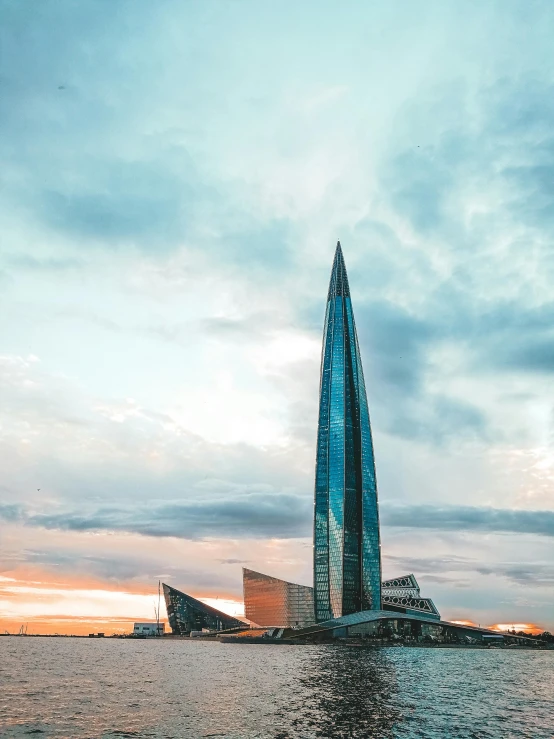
x=148 y=628
x=187 y=615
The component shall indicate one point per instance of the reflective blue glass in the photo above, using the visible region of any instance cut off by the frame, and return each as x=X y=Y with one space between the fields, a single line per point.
x=347 y=558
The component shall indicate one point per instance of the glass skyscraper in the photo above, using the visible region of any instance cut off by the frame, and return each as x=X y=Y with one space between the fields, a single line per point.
x=347 y=556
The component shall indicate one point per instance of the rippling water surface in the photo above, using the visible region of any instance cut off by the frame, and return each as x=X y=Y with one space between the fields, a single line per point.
x=115 y=688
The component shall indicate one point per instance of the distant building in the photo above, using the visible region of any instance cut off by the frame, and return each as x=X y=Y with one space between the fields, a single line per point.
x=187 y=614
x=148 y=628
x=269 y=601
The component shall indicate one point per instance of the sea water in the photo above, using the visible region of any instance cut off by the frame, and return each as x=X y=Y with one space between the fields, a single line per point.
x=69 y=687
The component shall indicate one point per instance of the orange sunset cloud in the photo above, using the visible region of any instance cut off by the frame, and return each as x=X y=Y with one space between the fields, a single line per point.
x=527 y=627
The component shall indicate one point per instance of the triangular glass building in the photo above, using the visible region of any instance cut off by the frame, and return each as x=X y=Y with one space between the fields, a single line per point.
x=186 y=614
x=347 y=556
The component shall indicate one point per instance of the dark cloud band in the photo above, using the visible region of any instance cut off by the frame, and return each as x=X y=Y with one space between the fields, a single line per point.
x=258 y=516
x=282 y=516
x=468 y=518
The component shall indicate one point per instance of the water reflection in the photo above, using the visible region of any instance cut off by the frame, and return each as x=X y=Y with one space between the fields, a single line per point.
x=346 y=692
x=100 y=689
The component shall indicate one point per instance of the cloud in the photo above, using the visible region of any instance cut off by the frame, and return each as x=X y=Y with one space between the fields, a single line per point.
x=530 y=354
x=271 y=514
x=279 y=515
x=119 y=566
x=536 y=574
x=457 y=140
x=44 y=265
x=139 y=202
x=434 y=569
x=431 y=565
x=232 y=561
x=397 y=342
x=466 y=518
x=11 y=513
x=102 y=148
x=437 y=419
x=247 y=329
x=465 y=179
x=399 y=346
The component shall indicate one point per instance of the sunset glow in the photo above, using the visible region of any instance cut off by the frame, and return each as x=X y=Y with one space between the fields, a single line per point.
x=464 y=622
x=83 y=607
x=528 y=628
x=44 y=603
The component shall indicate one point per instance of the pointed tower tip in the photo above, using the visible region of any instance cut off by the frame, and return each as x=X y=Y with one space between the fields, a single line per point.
x=339 y=281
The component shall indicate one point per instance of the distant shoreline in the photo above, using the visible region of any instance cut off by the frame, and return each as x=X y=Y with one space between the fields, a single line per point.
x=290 y=642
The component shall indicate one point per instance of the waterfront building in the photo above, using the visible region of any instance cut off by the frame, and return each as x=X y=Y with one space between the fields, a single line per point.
x=269 y=601
x=401 y=627
x=149 y=628
x=186 y=614
x=347 y=556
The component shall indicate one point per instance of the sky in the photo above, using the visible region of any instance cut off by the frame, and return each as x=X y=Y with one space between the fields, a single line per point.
x=174 y=178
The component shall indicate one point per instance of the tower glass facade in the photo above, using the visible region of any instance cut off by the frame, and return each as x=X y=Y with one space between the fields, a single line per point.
x=347 y=558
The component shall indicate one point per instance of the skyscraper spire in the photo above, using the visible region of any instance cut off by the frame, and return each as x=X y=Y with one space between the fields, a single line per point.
x=338 y=285
x=347 y=558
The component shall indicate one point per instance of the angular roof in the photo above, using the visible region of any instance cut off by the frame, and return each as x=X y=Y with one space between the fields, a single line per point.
x=246 y=572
